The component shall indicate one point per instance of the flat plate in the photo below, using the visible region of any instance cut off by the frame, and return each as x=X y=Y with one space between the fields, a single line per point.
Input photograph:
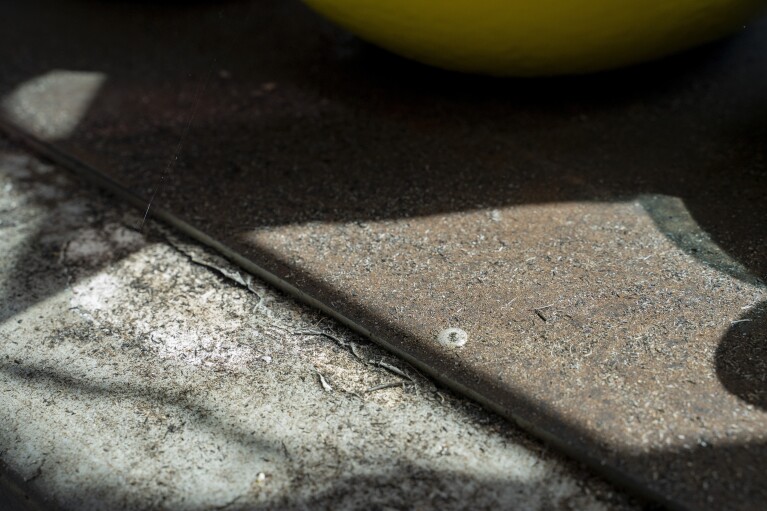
x=601 y=239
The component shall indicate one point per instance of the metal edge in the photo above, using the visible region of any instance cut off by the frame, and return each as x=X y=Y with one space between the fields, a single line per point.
x=612 y=474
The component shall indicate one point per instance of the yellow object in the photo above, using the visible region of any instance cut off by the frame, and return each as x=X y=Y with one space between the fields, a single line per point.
x=537 y=37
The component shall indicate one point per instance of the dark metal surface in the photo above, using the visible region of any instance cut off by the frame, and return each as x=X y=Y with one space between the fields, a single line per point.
x=601 y=239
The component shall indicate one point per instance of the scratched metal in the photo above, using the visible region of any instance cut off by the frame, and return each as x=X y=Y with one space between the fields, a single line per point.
x=601 y=240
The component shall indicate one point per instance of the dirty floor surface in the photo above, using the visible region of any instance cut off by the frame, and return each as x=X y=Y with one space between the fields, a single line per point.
x=139 y=371
x=601 y=240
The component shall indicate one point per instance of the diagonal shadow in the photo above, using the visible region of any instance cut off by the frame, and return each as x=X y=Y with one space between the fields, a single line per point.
x=318 y=127
x=180 y=399
x=59 y=211
x=428 y=488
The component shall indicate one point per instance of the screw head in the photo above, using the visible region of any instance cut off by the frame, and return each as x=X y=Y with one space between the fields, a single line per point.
x=452 y=337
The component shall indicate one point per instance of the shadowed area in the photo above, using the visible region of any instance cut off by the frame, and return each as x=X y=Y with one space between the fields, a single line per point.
x=40 y=200
x=741 y=359
x=295 y=122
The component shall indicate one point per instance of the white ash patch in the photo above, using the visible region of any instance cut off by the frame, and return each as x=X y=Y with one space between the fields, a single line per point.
x=122 y=237
x=213 y=332
x=198 y=347
x=91 y=246
x=94 y=294
x=88 y=246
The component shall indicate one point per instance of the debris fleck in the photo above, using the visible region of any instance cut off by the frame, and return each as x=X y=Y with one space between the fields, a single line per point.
x=353 y=348
x=325 y=385
x=322 y=334
x=393 y=369
x=539 y=311
x=386 y=386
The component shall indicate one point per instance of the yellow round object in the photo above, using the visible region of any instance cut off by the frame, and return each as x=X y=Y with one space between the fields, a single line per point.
x=537 y=37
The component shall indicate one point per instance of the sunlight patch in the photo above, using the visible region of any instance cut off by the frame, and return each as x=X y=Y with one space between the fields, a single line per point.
x=52 y=105
x=95 y=293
